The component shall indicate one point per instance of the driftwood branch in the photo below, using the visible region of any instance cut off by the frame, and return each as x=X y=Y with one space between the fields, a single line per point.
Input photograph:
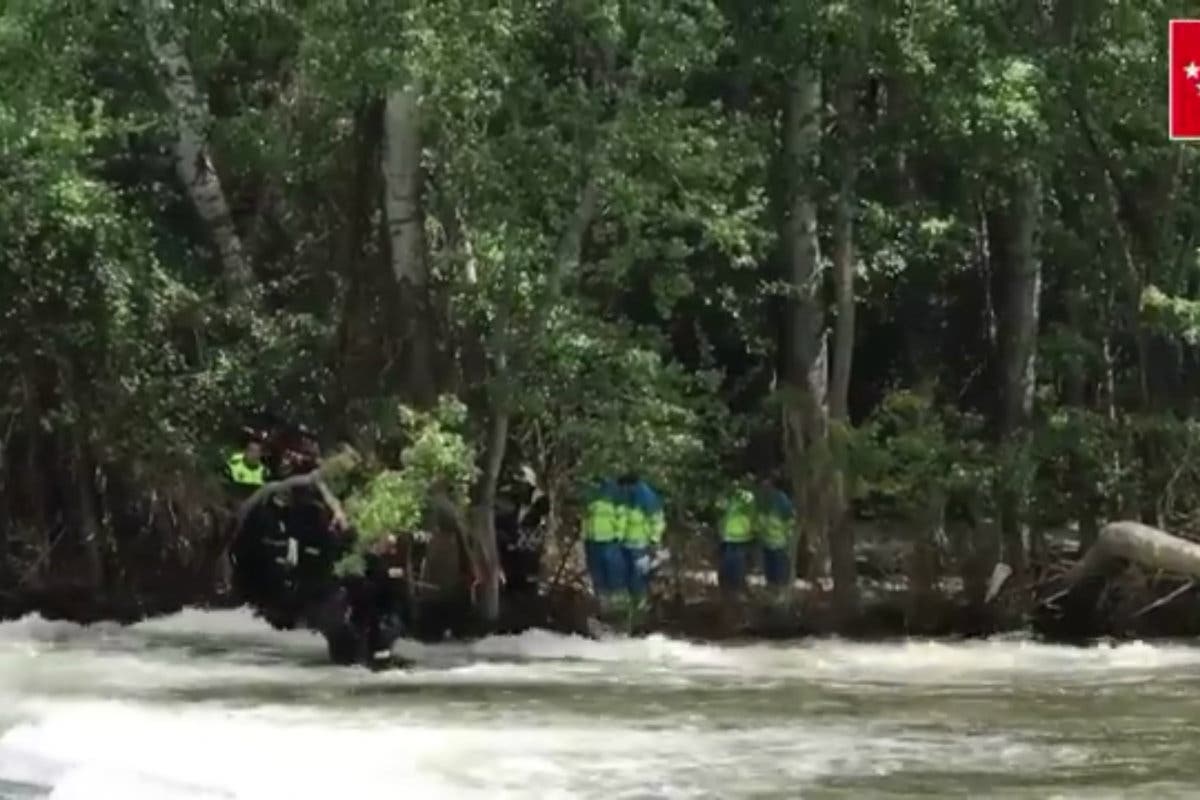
x=1162 y=601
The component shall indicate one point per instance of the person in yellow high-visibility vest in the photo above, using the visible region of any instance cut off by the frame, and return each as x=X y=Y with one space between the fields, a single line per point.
x=643 y=521
x=737 y=538
x=602 y=532
x=774 y=523
x=245 y=470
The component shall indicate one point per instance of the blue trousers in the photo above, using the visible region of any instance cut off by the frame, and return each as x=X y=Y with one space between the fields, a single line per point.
x=636 y=578
x=731 y=571
x=605 y=566
x=777 y=568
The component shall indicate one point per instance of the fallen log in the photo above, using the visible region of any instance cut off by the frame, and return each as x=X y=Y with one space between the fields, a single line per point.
x=1141 y=544
x=1082 y=608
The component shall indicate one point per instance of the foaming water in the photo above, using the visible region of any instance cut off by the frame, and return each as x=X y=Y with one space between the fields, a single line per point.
x=215 y=704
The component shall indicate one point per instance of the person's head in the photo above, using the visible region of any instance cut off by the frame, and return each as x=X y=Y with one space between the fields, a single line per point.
x=628 y=478
x=252 y=453
x=304 y=452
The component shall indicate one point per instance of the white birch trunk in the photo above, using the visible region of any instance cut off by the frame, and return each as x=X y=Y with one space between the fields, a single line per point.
x=403 y=184
x=192 y=163
x=1018 y=342
x=805 y=420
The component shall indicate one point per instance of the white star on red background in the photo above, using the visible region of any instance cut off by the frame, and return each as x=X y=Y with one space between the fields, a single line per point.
x=1192 y=71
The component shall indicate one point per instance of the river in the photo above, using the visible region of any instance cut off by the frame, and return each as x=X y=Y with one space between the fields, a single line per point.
x=208 y=705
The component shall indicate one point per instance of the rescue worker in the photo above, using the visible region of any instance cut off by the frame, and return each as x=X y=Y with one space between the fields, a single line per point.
x=259 y=544
x=642 y=524
x=737 y=538
x=602 y=543
x=245 y=470
x=762 y=516
x=774 y=522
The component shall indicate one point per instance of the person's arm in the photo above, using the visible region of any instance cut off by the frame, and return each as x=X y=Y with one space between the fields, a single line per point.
x=339 y=514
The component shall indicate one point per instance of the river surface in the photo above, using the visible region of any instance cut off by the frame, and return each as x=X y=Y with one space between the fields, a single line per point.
x=216 y=705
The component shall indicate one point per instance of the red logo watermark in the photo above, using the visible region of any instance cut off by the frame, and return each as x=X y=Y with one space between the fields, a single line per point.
x=1183 y=81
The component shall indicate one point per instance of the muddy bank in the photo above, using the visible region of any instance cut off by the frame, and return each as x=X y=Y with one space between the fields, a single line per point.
x=1115 y=608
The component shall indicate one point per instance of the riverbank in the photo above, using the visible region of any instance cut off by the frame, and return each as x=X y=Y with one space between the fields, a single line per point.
x=1117 y=608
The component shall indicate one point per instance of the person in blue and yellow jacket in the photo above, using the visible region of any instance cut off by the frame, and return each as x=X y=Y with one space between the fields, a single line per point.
x=737 y=537
x=643 y=523
x=774 y=523
x=602 y=534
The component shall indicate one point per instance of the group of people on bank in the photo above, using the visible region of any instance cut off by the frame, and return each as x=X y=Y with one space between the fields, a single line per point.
x=623 y=525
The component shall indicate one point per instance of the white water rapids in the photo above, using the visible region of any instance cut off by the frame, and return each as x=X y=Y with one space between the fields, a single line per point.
x=216 y=705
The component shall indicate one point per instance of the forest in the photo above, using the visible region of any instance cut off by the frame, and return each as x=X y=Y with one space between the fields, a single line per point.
x=934 y=261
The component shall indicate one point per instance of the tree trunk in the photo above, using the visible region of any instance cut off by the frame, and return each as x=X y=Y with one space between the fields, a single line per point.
x=1085 y=500
x=481 y=384
x=403 y=185
x=804 y=363
x=192 y=162
x=483 y=516
x=570 y=244
x=1018 y=343
x=1119 y=214
x=923 y=561
x=841 y=529
x=88 y=522
x=364 y=311
x=36 y=470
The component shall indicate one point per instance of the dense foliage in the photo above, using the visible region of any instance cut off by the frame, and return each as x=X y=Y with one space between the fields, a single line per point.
x=949 y=238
